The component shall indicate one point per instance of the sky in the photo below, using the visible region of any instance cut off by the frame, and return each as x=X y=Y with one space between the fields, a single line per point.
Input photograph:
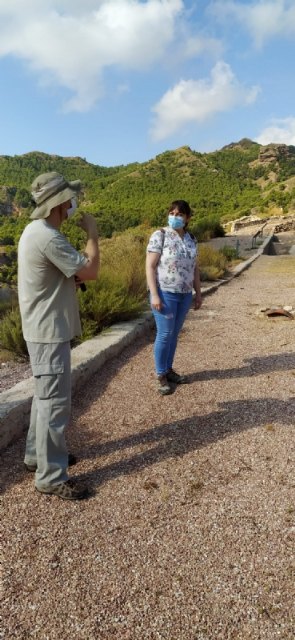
x=121 y=81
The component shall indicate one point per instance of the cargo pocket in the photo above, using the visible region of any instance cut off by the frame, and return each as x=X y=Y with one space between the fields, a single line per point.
x=48 y=379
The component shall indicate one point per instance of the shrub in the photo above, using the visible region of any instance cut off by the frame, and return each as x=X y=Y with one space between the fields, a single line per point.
x=11 y=336
x=212 y=263
x=104 y=303
x=120 y=291
x=5 y=306
x=230 y=253
x=206 y=228
x=210 y=273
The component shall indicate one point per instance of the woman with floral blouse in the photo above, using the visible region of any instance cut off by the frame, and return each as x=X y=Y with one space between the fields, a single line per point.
x=172 y=274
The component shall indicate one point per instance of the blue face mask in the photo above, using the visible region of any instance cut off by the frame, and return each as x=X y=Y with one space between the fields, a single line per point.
x=175 y=222
x=72 y=209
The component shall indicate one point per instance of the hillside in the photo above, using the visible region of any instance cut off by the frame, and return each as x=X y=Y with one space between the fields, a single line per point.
x=227 y=183
x=239 y=179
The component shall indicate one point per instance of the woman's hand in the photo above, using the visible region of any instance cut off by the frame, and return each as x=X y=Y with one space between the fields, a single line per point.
x=156 y=302
x=197 y=301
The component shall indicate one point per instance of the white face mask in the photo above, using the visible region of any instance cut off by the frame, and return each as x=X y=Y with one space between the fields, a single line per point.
x=72 y=209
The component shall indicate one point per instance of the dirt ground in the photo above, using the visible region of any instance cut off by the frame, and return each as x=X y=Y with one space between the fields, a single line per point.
x=190 y=530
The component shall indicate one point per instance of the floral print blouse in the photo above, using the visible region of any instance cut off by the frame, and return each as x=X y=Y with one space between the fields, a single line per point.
x=175 y=269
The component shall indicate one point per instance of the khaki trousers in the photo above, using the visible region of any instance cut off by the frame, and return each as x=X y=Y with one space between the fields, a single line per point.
x=50 y=412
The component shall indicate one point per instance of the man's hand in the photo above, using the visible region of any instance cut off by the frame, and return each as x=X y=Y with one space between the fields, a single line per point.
x=79 y=284
x=91 y=251
x=88 y=223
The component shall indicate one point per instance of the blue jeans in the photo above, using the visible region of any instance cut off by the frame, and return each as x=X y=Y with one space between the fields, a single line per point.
x=169 y=322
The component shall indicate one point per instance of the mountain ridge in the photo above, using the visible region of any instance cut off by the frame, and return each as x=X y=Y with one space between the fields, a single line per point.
x=226 y=183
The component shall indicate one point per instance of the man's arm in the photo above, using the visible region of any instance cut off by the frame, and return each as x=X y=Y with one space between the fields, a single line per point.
x=90 y=270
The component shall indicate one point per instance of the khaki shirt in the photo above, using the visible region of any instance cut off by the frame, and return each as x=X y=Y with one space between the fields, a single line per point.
x=47 y=263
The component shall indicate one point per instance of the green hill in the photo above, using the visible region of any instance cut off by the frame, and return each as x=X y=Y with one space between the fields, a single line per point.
x=226 y=182
x=234 y=181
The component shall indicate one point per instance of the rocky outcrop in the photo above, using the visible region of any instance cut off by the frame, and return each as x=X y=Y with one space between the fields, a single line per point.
x=275 y=152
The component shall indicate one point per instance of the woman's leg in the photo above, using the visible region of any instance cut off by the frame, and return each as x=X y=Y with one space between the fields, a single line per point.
x=165 y=321
x=183 y=305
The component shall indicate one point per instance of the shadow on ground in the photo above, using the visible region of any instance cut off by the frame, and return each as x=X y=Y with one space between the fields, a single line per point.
x=256 y=367
x=174 y=439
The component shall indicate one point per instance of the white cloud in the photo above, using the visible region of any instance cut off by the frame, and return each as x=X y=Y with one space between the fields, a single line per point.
x=279 y=131
x=196 y=45
x=198 y=100
x=70 y=43
x=264 y=19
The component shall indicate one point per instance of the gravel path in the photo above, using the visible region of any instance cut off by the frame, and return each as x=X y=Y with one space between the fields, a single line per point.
x=12 y=372
x=190 y=533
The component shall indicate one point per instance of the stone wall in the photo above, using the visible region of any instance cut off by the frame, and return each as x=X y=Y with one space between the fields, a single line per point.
x=287 y=225
x=242 y=223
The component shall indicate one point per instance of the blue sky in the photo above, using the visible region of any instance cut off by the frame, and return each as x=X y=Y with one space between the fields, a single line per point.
x=120 y=81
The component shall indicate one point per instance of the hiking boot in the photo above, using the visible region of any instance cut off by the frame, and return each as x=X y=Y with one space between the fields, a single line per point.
x=163 y=386
x=66 y=490
x=172 y=376
x=71 y=461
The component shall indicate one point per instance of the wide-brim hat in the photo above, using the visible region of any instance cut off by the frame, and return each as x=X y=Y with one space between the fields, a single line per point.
x=51 y=189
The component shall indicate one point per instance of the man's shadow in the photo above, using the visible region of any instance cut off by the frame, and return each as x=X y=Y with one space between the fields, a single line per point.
x=180 y=437
x=176 y=439
x=12 y=469
x=171 y=439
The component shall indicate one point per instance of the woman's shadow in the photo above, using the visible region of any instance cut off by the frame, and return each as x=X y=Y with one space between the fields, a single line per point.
x=171 y=439
x=255 y=367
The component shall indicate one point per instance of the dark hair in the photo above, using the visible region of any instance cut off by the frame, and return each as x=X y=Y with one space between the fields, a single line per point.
x=182 y=206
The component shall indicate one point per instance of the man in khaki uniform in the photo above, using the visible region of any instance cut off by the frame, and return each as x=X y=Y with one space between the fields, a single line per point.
x=47 y=266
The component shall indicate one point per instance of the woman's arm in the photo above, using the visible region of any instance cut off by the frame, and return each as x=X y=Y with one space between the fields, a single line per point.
x=152 y=260
x=197 y=287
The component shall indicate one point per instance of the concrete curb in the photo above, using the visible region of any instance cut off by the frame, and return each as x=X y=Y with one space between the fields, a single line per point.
x=88 y=358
